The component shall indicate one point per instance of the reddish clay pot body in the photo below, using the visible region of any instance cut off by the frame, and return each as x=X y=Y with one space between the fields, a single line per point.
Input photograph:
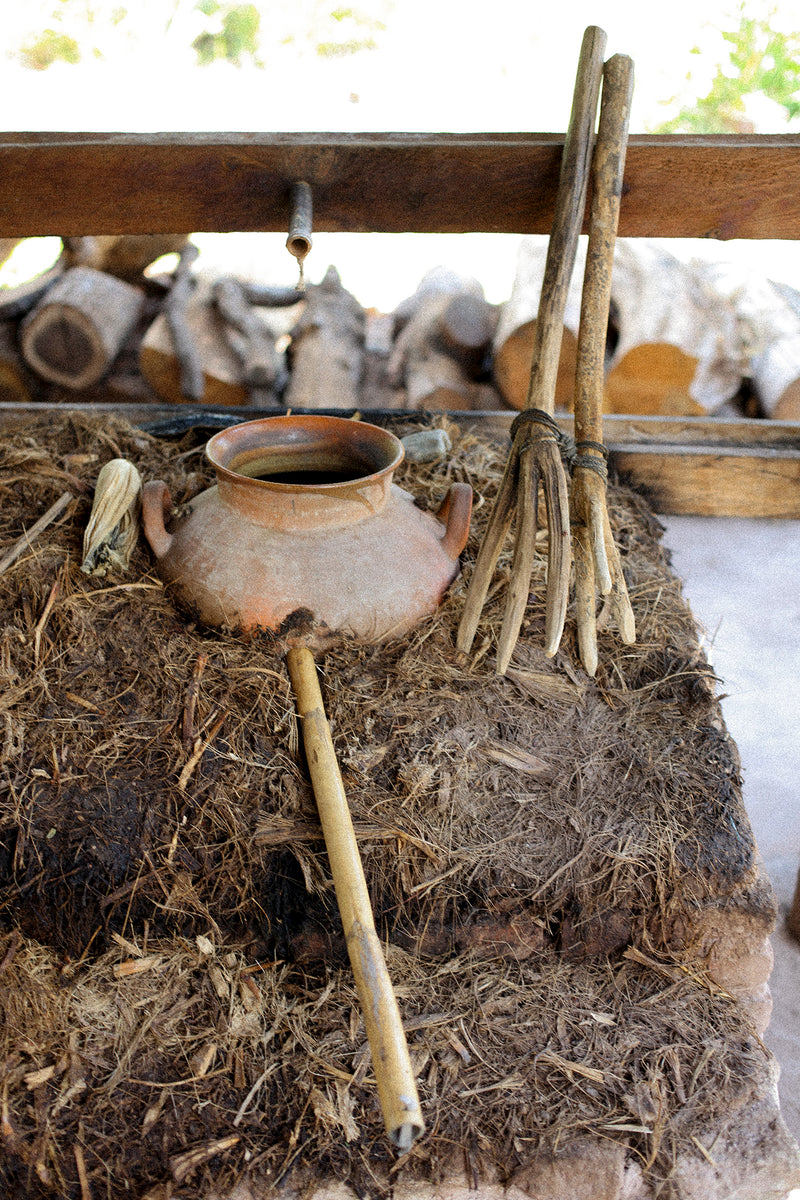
x=304 y=516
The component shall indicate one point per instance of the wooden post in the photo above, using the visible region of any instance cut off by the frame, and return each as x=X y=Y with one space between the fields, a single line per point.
x=397 y=1088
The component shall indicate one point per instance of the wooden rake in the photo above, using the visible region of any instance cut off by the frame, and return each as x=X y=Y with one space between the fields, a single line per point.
x=597 y=560
x=535 y=453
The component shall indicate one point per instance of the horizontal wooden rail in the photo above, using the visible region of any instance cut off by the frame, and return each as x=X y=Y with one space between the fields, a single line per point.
x=71 y=184
x=697 y=466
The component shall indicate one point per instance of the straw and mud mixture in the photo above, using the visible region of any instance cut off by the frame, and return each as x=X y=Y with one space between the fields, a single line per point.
x=176 y=1008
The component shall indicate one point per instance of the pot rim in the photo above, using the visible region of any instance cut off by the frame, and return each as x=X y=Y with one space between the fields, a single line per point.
x=343 y=430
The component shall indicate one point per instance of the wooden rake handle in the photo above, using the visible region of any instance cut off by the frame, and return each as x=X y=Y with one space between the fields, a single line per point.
x=568 y=217
x=519 y=485
x=597 y=562
x=608 y=167
x=397 y=1089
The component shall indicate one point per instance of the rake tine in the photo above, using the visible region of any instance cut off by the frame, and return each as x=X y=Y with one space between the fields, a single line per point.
x=524 y=553
x=618 y=596
x=499 y=524
x=591 y=489
x=556 y=498
x=585 y=601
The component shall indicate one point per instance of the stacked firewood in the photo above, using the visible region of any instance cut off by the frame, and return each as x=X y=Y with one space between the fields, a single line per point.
x=684 y=339
x=98 y=325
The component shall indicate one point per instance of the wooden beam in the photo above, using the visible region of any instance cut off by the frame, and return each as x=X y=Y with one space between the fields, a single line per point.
x=75 y=184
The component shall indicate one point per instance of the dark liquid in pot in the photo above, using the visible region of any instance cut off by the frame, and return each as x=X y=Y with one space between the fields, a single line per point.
x=309 y=478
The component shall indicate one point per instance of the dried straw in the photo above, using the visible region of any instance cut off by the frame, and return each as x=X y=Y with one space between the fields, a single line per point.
x=169 y=954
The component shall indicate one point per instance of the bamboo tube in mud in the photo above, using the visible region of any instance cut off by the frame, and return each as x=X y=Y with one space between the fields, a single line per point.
x=397 y=1089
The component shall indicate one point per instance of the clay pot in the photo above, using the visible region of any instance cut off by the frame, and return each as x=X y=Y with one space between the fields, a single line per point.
x=306 y=529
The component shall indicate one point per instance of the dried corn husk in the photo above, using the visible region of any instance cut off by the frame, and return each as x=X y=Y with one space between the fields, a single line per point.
x=113 y=526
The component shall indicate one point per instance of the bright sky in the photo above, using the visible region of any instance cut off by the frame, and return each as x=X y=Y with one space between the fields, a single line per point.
x=439 y=65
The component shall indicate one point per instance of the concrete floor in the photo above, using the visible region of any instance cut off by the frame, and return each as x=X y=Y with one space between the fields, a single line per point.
x=742 y=581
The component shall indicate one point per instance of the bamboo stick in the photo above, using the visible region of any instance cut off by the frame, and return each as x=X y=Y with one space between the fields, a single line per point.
x=397 y=1089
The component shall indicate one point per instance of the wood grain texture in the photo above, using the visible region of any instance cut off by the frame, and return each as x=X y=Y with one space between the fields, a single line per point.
x=77 y=184
x=700 y=482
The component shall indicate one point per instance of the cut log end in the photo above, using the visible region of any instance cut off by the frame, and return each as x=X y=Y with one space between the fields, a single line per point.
x=512 y=367
x=63 y=345
x=74 y=334
x=787 y=407
x=221 y=371
x=651 y=379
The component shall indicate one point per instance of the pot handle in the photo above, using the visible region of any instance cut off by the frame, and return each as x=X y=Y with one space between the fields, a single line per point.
x=156 y=503
x=455 y=515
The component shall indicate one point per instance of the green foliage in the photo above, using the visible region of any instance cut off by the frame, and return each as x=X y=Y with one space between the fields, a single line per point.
x=41 y=51
x=356 y=35
x=234 y=36
x=760 y=60
x=228 y=30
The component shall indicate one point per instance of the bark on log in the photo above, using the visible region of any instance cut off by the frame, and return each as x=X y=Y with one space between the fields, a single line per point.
x=445 y=335
x=124 y=255
x=677 y=348
x=326 y=354
x=76 y=331
x=221 y=369
x=769 y=326
x=255 y=346
x=17 y=385
x=678 y=351
x=516 y=328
